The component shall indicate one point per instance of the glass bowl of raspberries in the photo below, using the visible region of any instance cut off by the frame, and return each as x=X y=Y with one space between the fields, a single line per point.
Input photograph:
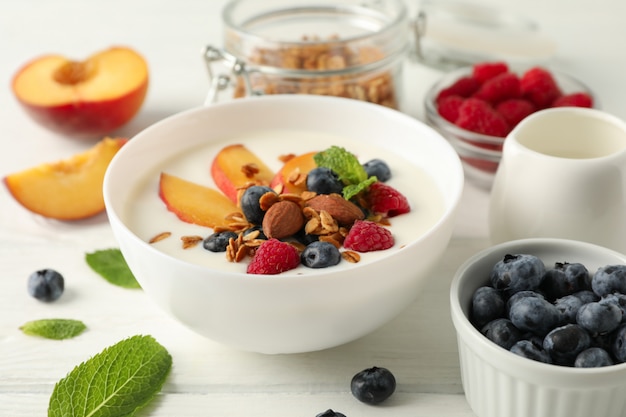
x=541 y=329
x=476 y=107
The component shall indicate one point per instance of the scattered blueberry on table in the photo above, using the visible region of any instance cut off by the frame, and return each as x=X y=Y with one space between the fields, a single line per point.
x=46 y=285
x=373 y=385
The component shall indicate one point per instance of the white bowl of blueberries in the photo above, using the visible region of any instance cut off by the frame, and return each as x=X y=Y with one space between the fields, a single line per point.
x=541 y=329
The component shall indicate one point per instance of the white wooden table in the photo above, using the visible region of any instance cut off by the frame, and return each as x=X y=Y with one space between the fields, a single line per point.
x=419 y=346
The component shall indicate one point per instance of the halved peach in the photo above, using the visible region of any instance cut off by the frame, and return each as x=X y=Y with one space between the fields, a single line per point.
x=70 y=189
x=195 y=203
x=88 y=98
x=235 y=166
x=291 y=178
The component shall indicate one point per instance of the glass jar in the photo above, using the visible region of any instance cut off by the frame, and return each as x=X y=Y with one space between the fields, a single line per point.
x=345 y=48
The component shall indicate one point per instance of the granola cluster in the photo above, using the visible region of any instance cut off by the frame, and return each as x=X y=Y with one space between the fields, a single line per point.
x=314 y=55
x=319 y=223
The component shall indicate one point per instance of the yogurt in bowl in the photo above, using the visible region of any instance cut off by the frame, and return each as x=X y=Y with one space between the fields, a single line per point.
x=302 y=309
x=148 y=216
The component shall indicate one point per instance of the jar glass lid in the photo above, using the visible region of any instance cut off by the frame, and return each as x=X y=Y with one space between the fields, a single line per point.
x=286 y=21
x=451 y=33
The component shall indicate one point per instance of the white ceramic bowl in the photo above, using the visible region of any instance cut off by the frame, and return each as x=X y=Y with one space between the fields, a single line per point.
x=500 y=383
x=290 y=312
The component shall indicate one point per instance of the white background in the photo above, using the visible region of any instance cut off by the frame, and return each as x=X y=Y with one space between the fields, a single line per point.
x=208 y=379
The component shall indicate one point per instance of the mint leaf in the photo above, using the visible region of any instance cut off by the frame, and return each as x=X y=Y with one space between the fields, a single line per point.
x=351 y=190
x=112 y=266
x=57 y=329
x=114 y=383
x=347 y=167
x=345 y=164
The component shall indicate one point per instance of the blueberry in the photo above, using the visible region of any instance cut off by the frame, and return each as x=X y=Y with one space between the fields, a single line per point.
x=609 y=279
x=46 y=284
x=569 y=306
x=218 y=242
x=519 y=295
x=250 y=205
x=323 y=180
x=378 y=168
x=502 y=332
x=373 y=385
x=516 y=273
x=617 y=299
x=564 y=343
x=529 y=350
x=599 y=318
x=487 y=305
x=618 y=345
x=565 y=279
x=535 y=315
x=592 y=358
x=330 y=413
x=320 y=254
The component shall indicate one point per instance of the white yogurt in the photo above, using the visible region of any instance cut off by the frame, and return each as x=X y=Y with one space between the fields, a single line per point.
x=147 y=216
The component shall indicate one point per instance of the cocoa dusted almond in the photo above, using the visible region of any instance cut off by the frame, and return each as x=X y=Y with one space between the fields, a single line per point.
x=342 y=210
x=283 y=219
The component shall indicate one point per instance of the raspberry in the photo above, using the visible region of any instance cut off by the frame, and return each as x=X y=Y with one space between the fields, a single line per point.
x=478 y=116
x=274 y=257
x=538 y=86
x=486 y=70
x=483 y=164
x=574 y=99
x=501 y=87
x=386 y=200
x=367 y=236
x=464 y=87
x=514 y=110
x=448 y=107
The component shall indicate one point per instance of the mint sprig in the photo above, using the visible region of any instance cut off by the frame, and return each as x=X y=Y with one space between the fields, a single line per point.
x=347 y=167
x=57 y=329
x=111 y=265
x=114 y=383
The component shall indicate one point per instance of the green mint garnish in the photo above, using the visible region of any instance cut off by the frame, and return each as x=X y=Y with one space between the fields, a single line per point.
x=351 y=190
x=114 y=383
x=112 y=266
x=344 y=163
x=347 y=167
x=57 y=329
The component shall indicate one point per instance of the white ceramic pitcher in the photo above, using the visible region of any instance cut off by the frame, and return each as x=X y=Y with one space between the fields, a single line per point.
x=562 y=174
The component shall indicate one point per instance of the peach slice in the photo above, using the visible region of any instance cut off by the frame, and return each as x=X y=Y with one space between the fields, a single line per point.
x=70 y=189
x=88 y=98
x=291 y=178
x=195 y=203
x=235 y=166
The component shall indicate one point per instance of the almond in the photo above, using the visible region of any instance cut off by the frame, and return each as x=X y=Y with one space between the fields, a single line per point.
x=283 y=219
x=342 y=210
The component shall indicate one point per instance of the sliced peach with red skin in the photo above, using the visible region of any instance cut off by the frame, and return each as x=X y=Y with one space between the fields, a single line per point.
x=89 y=98
x=291 y=178
x=235 y=166
x=195 y=203
x=70 y=189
